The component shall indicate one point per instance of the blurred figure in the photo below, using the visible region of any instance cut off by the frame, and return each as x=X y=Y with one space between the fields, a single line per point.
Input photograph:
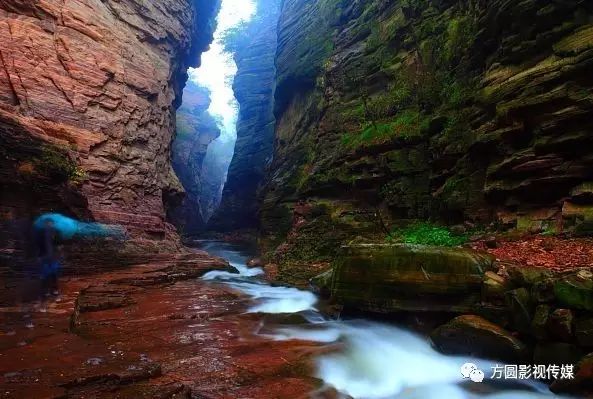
x=49 y=229
x=46 y=237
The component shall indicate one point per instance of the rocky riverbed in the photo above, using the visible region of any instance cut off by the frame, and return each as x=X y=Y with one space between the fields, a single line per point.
x=150 y=331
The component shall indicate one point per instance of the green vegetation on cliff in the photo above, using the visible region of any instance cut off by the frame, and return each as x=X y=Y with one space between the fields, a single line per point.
x=442 y=111
x=57 y=164
x=426 y=234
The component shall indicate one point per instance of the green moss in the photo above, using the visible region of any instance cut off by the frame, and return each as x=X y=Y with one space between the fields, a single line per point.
x=56 y=163
x=406 y=125
x=426 y=234
x=459 y=38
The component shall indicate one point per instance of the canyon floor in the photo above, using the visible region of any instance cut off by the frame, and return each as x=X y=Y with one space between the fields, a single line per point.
x=153 y=330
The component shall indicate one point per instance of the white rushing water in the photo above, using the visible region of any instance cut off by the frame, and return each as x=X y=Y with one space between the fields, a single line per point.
x=375 y=360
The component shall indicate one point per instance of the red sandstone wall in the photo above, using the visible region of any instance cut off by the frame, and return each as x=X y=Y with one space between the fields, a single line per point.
x=102 y=79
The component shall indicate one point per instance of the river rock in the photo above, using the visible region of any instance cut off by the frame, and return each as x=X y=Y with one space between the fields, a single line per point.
x=255 y=262
x=391 y=277
x=520 y=308
x=575 y=290
x=476 y=336
x=539 y=325
x=543 y=291
x=560 y=324
x=525 y=276
x=322 y=283
x=494 y=286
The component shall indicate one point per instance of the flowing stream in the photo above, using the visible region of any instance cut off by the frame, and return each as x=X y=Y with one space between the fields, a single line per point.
x=375 y=360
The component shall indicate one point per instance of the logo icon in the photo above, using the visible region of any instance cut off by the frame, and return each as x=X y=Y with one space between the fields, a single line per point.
x=471 y=371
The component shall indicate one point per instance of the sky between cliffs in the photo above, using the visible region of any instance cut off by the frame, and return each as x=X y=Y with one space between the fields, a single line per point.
x=218 y=68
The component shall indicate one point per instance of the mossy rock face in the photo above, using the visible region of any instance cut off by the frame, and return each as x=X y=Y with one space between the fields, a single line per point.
x=475 y=336
x=575 y=290
x=322 y=282
x=394 y=277
x=526 y=276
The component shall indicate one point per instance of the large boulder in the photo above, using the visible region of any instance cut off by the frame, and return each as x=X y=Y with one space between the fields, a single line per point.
x=575 y=290
x=394 y=277
x=475 y=336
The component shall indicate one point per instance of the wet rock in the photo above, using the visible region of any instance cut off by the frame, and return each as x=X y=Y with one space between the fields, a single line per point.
x=285 y=319
x=141 y=372
x=583 y=378
x=390 y=278
x=520 y=308
x=539 y=325
x=497 y=314
x=103 y=297
x=494 y=286
x=476 y=336
x=584 y=331
x=322 y=283
x=255 y=262
x=556 y=353
x=575 y=290
x=543 y=291
x=271 y=271
x=94 y=361
x=526 y=276
x=560 y=324
x=168 y=391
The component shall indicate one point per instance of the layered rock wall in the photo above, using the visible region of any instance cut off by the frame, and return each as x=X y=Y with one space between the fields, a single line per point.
x=456 y=111
x=254 y=86
x=91 y=87
x=196 y=129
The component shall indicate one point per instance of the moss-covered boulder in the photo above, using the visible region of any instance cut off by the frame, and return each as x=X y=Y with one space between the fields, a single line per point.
x=397 y=277
x=476 y=336
x=575 y=290
x=525 y=276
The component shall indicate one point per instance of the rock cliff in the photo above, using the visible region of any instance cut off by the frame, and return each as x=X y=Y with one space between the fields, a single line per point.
x=388 y=111
x=254 y=50
x=88 y=91
x=196 y=129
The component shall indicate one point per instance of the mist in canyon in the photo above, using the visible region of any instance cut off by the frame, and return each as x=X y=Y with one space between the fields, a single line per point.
x=207 y=123
x=291 y=198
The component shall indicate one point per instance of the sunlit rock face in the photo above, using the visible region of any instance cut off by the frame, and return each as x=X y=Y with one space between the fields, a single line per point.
x=90 y=90
x=196 y=129
x=389 y=111
x=254 y=89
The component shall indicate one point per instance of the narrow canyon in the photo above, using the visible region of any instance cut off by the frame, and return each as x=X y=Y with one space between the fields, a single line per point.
x=357 y=199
